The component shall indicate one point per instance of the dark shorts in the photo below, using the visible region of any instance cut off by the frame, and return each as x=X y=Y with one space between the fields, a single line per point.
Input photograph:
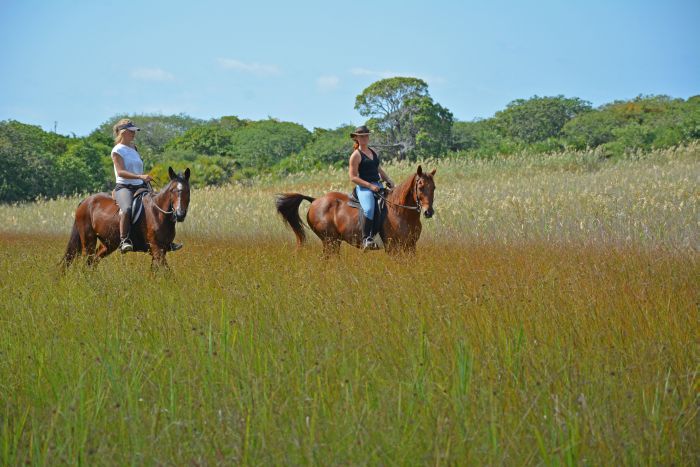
x=124 y=194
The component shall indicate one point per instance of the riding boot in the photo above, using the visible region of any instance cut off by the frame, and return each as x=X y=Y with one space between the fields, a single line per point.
x=124 y=229
x=368 y=234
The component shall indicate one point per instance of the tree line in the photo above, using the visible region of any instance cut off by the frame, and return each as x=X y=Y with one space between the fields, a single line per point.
x=407 y=122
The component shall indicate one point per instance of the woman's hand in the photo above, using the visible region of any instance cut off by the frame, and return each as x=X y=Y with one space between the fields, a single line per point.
x=146 y=177
x=374 y=188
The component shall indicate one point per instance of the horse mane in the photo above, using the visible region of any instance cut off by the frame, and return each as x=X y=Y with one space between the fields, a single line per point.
x=401 y=192
x=180 y=178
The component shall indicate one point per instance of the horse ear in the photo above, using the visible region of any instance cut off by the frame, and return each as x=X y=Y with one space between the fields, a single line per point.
x=432 y=172
x=187 y=173
x=171 y=173
x=420 y=170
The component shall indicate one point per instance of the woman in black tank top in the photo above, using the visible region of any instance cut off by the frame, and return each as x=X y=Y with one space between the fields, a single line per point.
x=366 y=172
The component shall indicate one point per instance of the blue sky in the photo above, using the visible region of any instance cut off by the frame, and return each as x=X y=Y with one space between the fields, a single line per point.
x=78 y=63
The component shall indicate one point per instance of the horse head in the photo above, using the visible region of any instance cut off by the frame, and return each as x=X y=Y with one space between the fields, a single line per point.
x=179 y=193
x=425 y=190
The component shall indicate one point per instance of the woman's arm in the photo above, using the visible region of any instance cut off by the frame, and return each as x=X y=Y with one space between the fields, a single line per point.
x=123 y=173
x=355 y=159
x=389 y=182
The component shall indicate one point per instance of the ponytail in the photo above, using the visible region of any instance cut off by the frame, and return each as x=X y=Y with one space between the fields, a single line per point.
x=356 y=146
x=117 y=132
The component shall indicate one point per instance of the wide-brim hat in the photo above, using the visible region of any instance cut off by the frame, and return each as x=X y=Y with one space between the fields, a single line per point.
x=360 y=131
x=128 y=126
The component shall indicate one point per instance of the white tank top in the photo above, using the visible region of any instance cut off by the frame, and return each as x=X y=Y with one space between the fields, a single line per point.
x=132 y=163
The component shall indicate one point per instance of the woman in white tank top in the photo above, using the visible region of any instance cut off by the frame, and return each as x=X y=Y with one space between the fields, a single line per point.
x=128 y=172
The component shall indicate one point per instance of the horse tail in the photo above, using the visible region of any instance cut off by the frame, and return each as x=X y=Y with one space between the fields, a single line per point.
x=288 y=207
x=74 y=245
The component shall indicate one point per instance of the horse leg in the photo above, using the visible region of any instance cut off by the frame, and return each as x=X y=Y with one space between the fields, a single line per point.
x=89 y=241
x=410 y=248
x=102 y=251
x=331 y=247
x=158 y=258
x=391 y=247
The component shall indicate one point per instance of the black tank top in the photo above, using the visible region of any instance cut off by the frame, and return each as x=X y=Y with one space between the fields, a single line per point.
x=369 y=168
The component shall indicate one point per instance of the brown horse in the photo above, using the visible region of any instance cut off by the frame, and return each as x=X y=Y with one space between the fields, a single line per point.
x=333 y=221
x=97 y=217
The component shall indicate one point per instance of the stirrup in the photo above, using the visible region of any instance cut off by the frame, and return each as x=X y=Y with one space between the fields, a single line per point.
x=369 y=244
x=126 y=246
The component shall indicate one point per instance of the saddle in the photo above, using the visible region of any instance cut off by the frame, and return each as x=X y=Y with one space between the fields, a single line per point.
x=136 y=204
x=380 y=209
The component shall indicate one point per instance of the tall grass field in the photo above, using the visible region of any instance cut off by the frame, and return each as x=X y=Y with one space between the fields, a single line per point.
x=550 y=316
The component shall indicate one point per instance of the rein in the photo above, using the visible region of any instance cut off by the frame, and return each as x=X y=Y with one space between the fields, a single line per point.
x=416 y=208
x=167 y=213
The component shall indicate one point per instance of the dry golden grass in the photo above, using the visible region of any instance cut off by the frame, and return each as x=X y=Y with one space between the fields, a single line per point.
x=549 y=318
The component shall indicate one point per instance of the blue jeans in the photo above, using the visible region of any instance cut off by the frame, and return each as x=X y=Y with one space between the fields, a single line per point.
x=366 y=198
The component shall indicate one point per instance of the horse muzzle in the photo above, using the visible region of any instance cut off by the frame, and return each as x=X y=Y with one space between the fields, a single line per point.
x=429 y=213
x=180 y=215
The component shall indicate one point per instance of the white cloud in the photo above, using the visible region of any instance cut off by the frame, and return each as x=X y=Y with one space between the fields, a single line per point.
x=255 y=68
x=327 y=82
x=391 y=74
x=151 y=74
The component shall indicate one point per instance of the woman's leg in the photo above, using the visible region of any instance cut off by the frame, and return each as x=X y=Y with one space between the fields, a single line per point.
x=366 y=198
x=124 y=199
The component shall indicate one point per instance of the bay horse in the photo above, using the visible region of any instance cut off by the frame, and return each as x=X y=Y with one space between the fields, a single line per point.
x=97 y=218
x=334 y=221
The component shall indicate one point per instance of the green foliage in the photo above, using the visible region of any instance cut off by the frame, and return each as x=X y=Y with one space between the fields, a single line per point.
x=406 y=121
x=325 y=148
x=156 y=131
x=206 y=170
x=538 y=118
x=592 y=129
x=258 y=144
x=208 y=140
x=406 y=117
x=28 y=156
x=85 y=167
x=431 y=126
x=481 y=139
x=262 y=144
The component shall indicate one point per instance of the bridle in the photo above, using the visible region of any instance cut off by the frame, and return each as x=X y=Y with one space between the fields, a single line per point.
x=172 y=209
x=418 y=208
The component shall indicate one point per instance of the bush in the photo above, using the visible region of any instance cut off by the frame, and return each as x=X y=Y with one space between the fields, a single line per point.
x=326 y=148
x=205 y=170
x=538 y=118
x=591 y=129
x=262 y=144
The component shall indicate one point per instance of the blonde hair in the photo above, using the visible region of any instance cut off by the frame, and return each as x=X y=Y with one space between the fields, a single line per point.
x=117 y=132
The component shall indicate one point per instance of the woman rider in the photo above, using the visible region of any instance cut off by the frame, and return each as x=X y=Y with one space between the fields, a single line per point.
x=366 y=173
x=128 y=170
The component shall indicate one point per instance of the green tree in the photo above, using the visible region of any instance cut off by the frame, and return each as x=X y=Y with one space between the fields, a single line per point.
x=406 y=117
x=264 y=143
x=209 y=140
x=28 y=156
x=156 y=131
x=85 y=167
x=206 y=170
x=325 y=148
x=591 y=129
x=481 y=138
x=539 y=118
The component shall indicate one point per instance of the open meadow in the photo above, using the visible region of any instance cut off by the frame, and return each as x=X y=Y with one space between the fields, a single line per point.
x=550 y=316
